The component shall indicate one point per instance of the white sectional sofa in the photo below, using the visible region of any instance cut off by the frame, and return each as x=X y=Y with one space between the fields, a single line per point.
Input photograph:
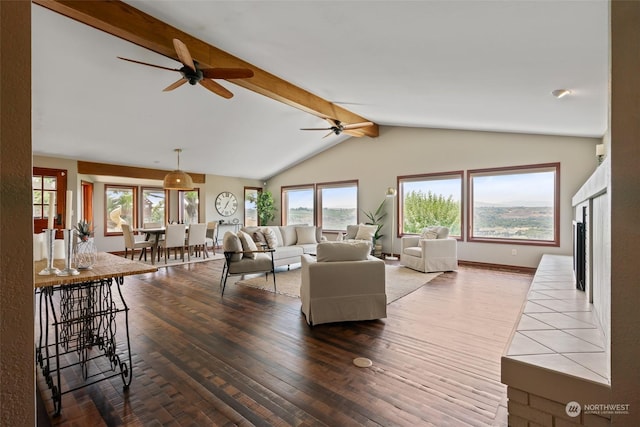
x=291 y=241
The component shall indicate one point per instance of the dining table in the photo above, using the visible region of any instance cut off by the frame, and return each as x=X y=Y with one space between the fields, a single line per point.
x=156 y=233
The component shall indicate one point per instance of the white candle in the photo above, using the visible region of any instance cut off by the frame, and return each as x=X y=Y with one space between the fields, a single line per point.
x=68 y=210
x=51 y=212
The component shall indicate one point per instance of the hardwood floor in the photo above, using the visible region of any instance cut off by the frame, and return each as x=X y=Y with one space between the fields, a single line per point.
x=250 y=359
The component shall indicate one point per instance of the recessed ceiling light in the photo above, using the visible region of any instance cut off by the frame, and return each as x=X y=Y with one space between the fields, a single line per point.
x=559 y=93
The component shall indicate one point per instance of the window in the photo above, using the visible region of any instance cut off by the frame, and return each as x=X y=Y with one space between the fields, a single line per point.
x=338 y=205
x=154 y=205
x=517 y=204
x=48 y=185
x=250 y=207
x=189 y=205
x=297 y=205
x=430 y=200
x=120 y=208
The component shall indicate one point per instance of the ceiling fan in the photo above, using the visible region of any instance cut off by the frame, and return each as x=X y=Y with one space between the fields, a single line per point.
x=337 y=128
x=193 y=74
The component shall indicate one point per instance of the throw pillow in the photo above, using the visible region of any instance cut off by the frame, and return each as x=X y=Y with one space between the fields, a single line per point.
x=429 y=235
x=258 y=237
x=231 y=243
x=343 y=251
x=247 y=245
x=352 y=230
x=441 y=232
x=366 y=232
x=270 y=237
x=306 y=235
x=289 y=237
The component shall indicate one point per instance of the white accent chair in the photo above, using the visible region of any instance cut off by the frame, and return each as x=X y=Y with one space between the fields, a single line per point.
x=439 y=252
x=343 y=284
x=242 y=256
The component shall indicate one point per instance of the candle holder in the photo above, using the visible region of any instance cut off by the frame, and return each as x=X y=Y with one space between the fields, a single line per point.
x=68 y=254
x=50 y=236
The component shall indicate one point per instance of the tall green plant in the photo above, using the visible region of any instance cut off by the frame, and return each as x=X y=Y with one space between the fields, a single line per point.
x=376 y=218
x=265 y=205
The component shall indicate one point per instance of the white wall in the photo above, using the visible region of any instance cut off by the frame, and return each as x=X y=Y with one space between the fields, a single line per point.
x=213 y=185
x=376 y=163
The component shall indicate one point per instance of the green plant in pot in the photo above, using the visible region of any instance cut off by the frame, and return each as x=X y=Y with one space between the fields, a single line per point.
x=376 y=218
x=265 y=206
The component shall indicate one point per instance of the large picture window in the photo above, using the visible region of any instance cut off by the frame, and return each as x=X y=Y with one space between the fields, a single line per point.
x=430 y=200
x=250 y=206
x=120 y=208
x=298 y=205
x=515 y=205
x=154 y=205
x=189 y=205
x=337 y=205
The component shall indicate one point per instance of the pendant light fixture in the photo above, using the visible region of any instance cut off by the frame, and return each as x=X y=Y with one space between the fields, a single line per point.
x=178 y=180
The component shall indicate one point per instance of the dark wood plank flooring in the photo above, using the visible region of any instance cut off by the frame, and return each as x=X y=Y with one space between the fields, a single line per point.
x=250 y=359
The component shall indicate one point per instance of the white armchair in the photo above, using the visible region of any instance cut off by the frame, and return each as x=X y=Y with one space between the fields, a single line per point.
x=337 y=286
x=430 y=255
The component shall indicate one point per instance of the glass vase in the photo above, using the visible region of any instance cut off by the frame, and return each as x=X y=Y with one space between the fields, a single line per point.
x=85 y=254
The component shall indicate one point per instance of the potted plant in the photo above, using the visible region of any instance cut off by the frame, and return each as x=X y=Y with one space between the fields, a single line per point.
x=265 y=206
x=376 y=218
x=85 y=252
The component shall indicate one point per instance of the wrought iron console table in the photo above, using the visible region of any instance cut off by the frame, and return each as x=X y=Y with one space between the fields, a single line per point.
x=77 y=322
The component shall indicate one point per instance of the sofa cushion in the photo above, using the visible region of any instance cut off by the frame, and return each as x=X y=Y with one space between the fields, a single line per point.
x=289 y=236
x=366 y=232
x=270 y=236
x=247 y=244
x=231 y=243
x=288 y=251
x=429 y=234
x=413 y=251
x=343 y=251
x=352 y=231
x=306 y=235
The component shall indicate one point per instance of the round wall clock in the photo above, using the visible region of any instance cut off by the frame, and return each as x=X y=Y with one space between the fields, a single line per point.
x=226 y=203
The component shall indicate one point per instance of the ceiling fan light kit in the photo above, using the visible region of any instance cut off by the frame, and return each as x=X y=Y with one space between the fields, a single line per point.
x=561 y=93
x=337 y=128
x=177 y=180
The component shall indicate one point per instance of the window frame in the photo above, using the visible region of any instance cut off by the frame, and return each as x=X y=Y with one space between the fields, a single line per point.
x=166 y=203
x=284 y=200
x=258 y=191
x=181 y=194
x=428 y=177
x=134 y=206
x=40 y=224
x=514 y=170
x=319 y=201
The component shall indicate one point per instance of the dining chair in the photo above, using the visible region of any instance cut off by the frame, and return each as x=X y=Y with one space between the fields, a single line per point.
x=196 y=240
x=130 y=242
x=212 y=234
x=174 y=238
x=153 y=225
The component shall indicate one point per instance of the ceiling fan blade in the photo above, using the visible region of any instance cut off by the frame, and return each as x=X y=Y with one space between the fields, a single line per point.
x=150 y=65
x=315 y=128
x=183 y=54
x=330 y=133
x=227 y=73
x=216 y=88
x=357 y=125
x=172 y=86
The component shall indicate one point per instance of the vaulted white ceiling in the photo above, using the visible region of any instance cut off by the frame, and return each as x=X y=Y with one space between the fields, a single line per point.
x=477 y=65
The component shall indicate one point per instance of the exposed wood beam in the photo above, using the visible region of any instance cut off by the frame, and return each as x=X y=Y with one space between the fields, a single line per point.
x=91 y=168
x=124 y=21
